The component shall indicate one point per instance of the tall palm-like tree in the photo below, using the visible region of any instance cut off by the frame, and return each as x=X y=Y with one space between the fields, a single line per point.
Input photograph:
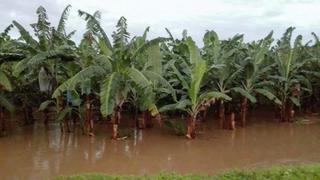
x=254 y=81
x=149 y=62
x=190 y=71
x=94 y=61
x=5 y=84
x=290 y=79
x=45 y=58
x=45 y=55
x=223 y=70
x=116 y=70
x=312 y=72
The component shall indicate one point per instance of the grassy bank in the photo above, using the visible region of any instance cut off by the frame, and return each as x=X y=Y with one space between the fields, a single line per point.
x=301 y=172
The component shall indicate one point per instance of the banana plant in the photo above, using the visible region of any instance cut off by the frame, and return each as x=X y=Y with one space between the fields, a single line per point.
x=5 y=104
x=222 y=68
x=115 y=70
x=8 y=51
x=64 y=107
x=254 y=81
x=117 y=85
x=149 y=62
x=93 y=63
x=5 y=83
x=44 y=56
x=190 y=73
x=312 y=72
x=47 y=57
x=289 y=76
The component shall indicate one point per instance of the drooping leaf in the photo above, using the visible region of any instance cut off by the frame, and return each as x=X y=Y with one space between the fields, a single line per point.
x=295 y=101
x=62 y=114
x=162 y=82
x=96 y=25
x=180 y=105
x=81 y=76
x=245 y=93
x=63 y=19
x=138 y=77
x=268 y=95
x=44 y=105
x=4 y=81
x=25 y=34
x=4 y=102
x=214 y=94
x=108 y=93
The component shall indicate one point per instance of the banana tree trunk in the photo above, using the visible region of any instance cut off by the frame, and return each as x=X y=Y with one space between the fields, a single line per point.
x=3 y=122
x=159 y=120
x=46 y=117
x=135 y=117
x=67 y=124
x=191 y=127
x=287 y=112
x=243 y=111
x=232 y=122
x=115 y=120
x=88 y=117
x=27 y=113
x=142 y=120
x=64 y=125
x=61 y=107
x=148 y=120
x=221 y=113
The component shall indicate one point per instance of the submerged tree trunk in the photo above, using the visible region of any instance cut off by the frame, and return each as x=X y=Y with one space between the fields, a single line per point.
x=61 y=107
x=88 y=117
x=135 y=117
x=148 y=119
x=115 y=120
x=191 y=128
x=46 y=117
x=64 y=125
x=27 y=113
x=159 y=120
x=287 y=112
x=142 y=120
x=3 y=122
x=67 y=125
x=221 y=113
x=230 y=122
x=145 y=120
x=243 y=111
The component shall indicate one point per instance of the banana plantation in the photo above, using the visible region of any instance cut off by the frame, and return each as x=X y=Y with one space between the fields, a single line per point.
x=151 y=82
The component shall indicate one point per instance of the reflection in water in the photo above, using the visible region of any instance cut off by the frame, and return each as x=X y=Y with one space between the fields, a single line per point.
x=38 y=152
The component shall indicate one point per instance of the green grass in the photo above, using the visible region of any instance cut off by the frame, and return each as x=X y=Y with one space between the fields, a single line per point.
x=301 y=172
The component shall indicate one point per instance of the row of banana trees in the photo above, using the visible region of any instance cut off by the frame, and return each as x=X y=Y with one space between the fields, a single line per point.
x=151 y=76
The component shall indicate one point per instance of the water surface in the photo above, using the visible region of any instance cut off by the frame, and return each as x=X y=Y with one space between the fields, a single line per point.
x=38 y=153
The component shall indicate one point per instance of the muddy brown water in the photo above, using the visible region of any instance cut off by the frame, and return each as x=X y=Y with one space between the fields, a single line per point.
x=40 y=153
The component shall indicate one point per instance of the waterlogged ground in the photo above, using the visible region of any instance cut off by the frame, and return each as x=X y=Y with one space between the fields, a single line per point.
x=38 y=153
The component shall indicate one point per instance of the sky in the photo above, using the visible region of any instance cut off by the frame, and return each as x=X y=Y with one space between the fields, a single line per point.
x=254 y=18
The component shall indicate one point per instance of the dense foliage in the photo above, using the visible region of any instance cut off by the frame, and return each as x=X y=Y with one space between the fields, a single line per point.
x=150 y=77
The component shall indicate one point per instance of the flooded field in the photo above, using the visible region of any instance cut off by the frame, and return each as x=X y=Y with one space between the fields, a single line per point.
x=38 y=152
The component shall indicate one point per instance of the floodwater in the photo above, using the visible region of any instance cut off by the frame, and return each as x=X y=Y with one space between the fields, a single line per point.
x=40 y=153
